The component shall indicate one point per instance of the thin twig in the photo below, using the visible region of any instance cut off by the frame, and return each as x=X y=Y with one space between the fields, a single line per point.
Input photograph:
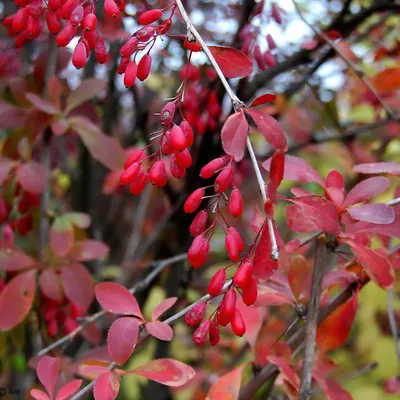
x=237 y=103
x=393 y=324
x=312 y=318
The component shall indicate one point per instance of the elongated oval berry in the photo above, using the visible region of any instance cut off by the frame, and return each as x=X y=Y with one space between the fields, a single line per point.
x=149 y=17
x=167 y=113
x=20 y=19
x=187 y=130
x=53 y=23
x=249 y=293
x=193 y=202
x=145 y=33
x=54 y=5
x=76 y=16
x=211 y=168
x=129 y=47
x=89 y=23
x=224 y=179
x=177 y=171
x=139 y=183
x=33 y=28
x=213 y=333
x=183 y=158
x=217 y=282
x=111 y=8
x=269 y=59
x=199 y=335
x=121 y=69
x=67 y=8
x=271 y=42
x=199 y=223
x=227 y=309
x=198 y=251
x=237 y=237
x=136 y=156
x=259 y=57
x=79 y=57
x=130 y=74
x=157 y=174
x=177 y=138
x=243 y=274
x=235 y=203
x=237 y=324
x=90 y=37
x=166 y=146
x=66 y=35
x=144 y=67
x=232 y=247
x=130 y=173
x=100 y=50
x=276 y=15
x=194 y=316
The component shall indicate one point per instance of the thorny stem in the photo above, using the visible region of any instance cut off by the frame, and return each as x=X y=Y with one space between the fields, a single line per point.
x=193 y=33
x=312 y=318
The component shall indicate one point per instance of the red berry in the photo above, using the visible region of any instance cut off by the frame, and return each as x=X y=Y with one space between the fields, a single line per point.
x=192 y=46
x=130 y=174
x=269 y=59
x=66 y=35
x=157 y=174
x=8 y=234
x=199 y=335
x=100 y=50
x=3 y=210
x=70 y=325
x=211 y=168
x=249 y=293
x=232 y=247
x=36 y=9
x=67 y=8
x=76 y=16
x=195 y=314
x=217 y=282
x=271 y=42
x=243 y=274
x=238 y=238
x=144 y=67
x=166 y=144
x=76 y=311
x=111 y=8
x=136 y=156
x=129 y=47
x=177 y=171
x=54 y=5
x=53 y=23
x=177 y=138
x=224 y=179
x=149 y=17
x=145 y=33
x=121 y=69
x=213 y=333
x=259 y=57
x=89 y=22
x=167 y=113
x=79 y=56
x=199 y=223
x=237 y=324
x=52 y=327
x=90 y=37
x=183 y=158
x=193 y=202
x=227 y=309
x=130 y=74
x=276 y=14
x=235 y=203
x=198 y=251
x=139 y=183
x=20 y=19
x=187 y=130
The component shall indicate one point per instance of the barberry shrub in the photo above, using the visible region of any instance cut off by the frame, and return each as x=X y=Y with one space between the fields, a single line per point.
x=167 y=216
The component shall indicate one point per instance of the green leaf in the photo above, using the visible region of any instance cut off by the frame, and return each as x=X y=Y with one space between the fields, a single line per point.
x=81 y=220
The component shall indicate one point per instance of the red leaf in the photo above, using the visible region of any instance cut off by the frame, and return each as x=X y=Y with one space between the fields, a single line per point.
x=16 y=299
x=106 y=387
x=11 y=116
x=88 y=89
x=366 y=189
x=268 y=296
x=391 y=168
x=373 y=213
x=377 y=266
x=69 y=389
x=122 y=338
x=88 y=250
x=233 y=63
x=387 y=80
x=332 y=389
x=162 y=307
x=32 y=177
x=286 y=370
x=227 y=386
x=92 y=333
x=265 y=98
x=78 y=285
x=160 y=330
x=297 y=169
x=38 y=394
x=61 y=236
x=276 y=172
x=270 y=128
x=103 y=148
x=48 y=369
x=335 y=329
x=166 y=371
x=6 y=165
x=50 y=285
x=298 y=276
x=298 y=221
x=12 y=258
x=42 y=104
x=257 y=221
x=234 y=135
x=116 y=299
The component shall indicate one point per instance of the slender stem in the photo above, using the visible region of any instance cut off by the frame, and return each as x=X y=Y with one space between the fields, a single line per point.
x=312 y=318
x=192 y=32
x=393 y=325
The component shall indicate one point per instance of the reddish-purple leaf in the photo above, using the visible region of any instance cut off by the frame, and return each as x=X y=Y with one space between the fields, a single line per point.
x=366 y=189
x=106 y=387
x=16 y=299
x=297 y=169
x=59 y=126
x=268 y=296
x=265 y=98
x=276 y=173
x=253 y=318
x=227 y=387
x=166 y=371
x=332 y=389
x=32 y=177
x=377 y=266
x=116 y=299
x=61 y=236
x=48 y=369
x=6 y=165
x=162 y=307
x=12 y=258
x=391 y=168
x=298 y=221
x=78 y=285
x=257 y=221
x=160 y=330
x=298 y=276
x=234 y=135
x=50 y=285
x=122 y=338
x=373 y=213
x=69 y=389
x=286 y=370
x=11 y=116
x=233 y=63
x=334 y=187
x=38 y=394
x=270 y=128
x=88 y=250
x=42 y=104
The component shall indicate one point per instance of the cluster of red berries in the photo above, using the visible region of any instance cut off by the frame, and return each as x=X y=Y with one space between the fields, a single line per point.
x=60 y=315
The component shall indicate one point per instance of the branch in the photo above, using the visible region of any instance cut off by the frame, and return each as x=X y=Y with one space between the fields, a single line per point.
x=312 y=318
x=236 y=102
x=393 y=324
